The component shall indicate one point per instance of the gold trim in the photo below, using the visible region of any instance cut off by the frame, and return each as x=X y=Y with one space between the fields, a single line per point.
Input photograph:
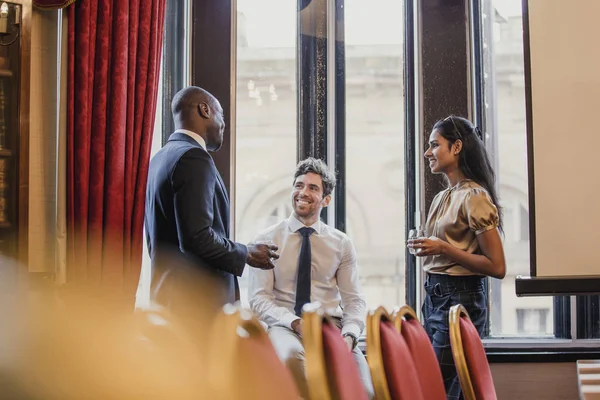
x=375 y=354
x=54 y=7
x=458 y=352
x=319 y=382
x=404 y=312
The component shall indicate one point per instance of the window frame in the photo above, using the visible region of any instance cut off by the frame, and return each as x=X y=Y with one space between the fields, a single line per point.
x=175 y=59
x=421 y=110
x=572 y=315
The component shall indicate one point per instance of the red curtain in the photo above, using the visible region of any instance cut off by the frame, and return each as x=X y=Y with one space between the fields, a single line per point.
x=114 y=63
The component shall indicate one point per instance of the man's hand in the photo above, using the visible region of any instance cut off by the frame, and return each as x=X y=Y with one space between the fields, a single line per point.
x=350 y=342
x=297 y=326
x=261 y=255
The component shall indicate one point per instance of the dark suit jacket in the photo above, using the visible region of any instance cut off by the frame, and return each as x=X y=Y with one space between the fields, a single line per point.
x=187 y=220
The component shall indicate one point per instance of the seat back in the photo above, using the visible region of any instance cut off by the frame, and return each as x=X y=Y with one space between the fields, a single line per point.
x=419 y=345
x=331 y=370
x=392 y=367
x=243 y=362
x=469 y=357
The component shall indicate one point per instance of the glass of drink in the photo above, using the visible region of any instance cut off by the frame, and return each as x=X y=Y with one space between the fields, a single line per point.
x=415 y=234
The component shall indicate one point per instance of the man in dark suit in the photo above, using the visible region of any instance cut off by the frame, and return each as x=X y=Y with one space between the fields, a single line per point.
x=187 y=209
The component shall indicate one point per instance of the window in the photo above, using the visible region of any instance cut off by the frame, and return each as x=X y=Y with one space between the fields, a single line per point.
x=265 y=131
x=532 y=320
x=504 y=114
x=143 y=290
x=274 y=59
x=298 y=93
x=506 y=139
x=374 y=95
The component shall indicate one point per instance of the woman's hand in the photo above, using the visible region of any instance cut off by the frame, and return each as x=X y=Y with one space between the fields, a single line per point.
x=490 y=263
x=430 y=246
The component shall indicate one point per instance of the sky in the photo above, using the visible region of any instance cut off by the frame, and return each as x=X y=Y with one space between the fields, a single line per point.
x=272 y=23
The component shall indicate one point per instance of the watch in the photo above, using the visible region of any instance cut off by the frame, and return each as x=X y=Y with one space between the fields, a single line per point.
x=354 y=338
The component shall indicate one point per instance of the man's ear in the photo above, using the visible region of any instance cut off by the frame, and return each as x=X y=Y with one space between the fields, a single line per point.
x=326 y=200
x=204 y=110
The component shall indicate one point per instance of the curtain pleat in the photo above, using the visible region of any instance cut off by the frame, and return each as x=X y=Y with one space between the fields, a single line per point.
x=114 y=60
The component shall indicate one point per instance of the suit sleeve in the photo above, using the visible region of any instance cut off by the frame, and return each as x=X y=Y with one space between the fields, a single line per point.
x=194 y=181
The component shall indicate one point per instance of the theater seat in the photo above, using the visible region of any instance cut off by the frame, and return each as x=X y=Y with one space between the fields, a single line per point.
x=419 y=345
x=392 y=367
x=469 y=357
x=331 y=370
x=243 y=363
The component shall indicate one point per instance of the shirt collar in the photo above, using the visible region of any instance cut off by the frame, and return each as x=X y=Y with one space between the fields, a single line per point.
x=294 y=224
x=194 y=136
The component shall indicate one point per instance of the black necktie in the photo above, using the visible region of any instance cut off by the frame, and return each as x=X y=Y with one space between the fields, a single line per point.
x=303 y=282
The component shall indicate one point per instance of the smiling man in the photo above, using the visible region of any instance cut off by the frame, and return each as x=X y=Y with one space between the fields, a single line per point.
x=317 y=263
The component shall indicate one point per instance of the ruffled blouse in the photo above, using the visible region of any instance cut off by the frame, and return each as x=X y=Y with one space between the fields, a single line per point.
x=457 y=215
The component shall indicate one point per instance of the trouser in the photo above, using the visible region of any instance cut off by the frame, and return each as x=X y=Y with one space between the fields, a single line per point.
x=289 y=348
x=442 y=292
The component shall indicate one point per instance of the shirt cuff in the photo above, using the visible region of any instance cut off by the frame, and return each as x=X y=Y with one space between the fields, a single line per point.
x=351 y=327
x=287 y=319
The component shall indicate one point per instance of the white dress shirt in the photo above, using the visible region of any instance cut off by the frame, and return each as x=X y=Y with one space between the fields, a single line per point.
x=194 y=136
x=334 y=276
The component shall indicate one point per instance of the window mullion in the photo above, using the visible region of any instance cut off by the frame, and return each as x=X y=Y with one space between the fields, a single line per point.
x=312 y=81
x=174 y=56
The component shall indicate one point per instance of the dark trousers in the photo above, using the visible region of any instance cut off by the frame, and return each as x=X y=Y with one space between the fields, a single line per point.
x=444 y=291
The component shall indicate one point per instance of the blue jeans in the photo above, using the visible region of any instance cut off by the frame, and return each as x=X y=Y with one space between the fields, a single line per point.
x=443 y=292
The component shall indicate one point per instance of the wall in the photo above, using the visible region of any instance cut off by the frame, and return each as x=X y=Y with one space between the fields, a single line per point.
x=547 y=381
x=565 y=87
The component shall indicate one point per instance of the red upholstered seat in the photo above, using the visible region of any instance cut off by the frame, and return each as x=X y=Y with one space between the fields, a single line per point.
x=242 y=362
x=469 y=356
x=400 y=370
x=342 y=369
x=392 y=366
x=260 y=366
x=419 y=345
x=330 y=366
x=477 y=363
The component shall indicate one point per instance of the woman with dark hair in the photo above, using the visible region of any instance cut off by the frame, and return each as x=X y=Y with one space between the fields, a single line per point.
x=462 y=244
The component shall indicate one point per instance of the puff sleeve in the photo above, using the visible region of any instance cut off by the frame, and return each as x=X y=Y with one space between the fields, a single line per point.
x=482 y=214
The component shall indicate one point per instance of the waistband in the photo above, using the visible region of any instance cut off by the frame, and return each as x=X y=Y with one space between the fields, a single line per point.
x=440 y=284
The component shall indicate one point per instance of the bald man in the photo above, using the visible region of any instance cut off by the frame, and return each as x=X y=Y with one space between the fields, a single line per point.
x=187 y=208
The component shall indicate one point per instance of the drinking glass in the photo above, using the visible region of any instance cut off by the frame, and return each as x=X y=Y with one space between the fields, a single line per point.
x=415 y=234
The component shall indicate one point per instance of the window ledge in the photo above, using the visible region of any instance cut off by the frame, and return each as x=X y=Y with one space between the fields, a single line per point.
x=534 y=350
x=541 y=355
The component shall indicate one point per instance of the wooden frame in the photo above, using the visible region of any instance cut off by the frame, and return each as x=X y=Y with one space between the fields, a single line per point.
x=22 y=150
x=374 y=352
x=458 y=352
